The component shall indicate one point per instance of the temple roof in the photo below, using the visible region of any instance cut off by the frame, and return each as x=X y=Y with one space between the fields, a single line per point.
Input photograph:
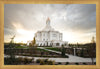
x=48 y=27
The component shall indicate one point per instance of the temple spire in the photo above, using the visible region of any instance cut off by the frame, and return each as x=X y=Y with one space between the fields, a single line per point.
x=48 y=22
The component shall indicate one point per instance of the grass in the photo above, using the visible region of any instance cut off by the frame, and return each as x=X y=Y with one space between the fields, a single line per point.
x=21 y=47
x=42 y=50
x=28 y=47
x=51 y=48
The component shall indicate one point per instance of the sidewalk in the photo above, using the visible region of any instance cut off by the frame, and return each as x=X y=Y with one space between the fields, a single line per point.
x=71 y=57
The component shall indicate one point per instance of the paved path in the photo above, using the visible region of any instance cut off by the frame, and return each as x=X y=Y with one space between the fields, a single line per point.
x=57 y=59
x=71 y=57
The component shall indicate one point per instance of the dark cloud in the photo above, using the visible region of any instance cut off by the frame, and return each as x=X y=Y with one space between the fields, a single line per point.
x=81 y=17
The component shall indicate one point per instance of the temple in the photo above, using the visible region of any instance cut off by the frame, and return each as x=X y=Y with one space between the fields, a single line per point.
x=49 y=37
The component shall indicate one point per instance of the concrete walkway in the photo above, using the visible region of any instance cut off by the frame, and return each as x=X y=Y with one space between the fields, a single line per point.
x=57 y=59
x=71 y=57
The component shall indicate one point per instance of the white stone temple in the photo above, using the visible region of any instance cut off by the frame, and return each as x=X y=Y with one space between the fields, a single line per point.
x=49 y=37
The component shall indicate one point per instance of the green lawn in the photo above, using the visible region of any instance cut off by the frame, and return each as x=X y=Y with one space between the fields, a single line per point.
x=50 y=48
x=21 y=47
x=42 y=49
x=55 y=49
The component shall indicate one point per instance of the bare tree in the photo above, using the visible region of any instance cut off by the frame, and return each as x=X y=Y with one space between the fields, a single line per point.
x=92 y=50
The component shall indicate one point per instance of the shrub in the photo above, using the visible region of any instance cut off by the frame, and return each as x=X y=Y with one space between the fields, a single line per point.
x=32 y=59
x=59 y=62
x=45 y=60
x=62 y=51
x=42 y=62
x=84 y=63
x=94 y=62
x=29 y=60
x=51 y=62
x=38 y=60
x=20 y=59
x=25 y=60
x=66 y=56
x=67 y=63
x=11 y=61
x=77 y=63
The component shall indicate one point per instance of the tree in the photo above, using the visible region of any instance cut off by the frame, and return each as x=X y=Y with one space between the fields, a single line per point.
x=82 y=54
x=11 y=51
x=63 y=51
x=33 y=47
x=77 y=45
x=11 y=45
x=34 y=42
x=92 y=50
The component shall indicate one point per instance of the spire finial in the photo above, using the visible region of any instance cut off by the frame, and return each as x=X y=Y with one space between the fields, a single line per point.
x=48 y=18
x=48 y=21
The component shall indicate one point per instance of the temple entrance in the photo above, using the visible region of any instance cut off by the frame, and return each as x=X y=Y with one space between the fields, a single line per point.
x=57 y=44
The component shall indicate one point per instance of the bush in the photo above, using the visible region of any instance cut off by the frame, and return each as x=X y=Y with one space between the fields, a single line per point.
x=11 y=61
x=38 y=60
x=45 y=60
x=66 y=56
x=62 y=51
x=42 y=62
x=94 y=62
x=20 y=59
x=59 y=62
x=27 y=60
x=67 y=63
x=84 y=63
x=30 y=60
x=51 y=62
x=77 y=63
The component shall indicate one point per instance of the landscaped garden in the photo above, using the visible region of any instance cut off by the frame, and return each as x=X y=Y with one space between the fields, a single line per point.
x=35 y=51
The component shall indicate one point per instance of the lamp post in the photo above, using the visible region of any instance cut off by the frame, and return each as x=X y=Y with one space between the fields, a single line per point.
x=74 y=52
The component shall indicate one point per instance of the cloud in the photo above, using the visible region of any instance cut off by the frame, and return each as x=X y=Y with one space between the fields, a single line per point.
x=77 y=18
